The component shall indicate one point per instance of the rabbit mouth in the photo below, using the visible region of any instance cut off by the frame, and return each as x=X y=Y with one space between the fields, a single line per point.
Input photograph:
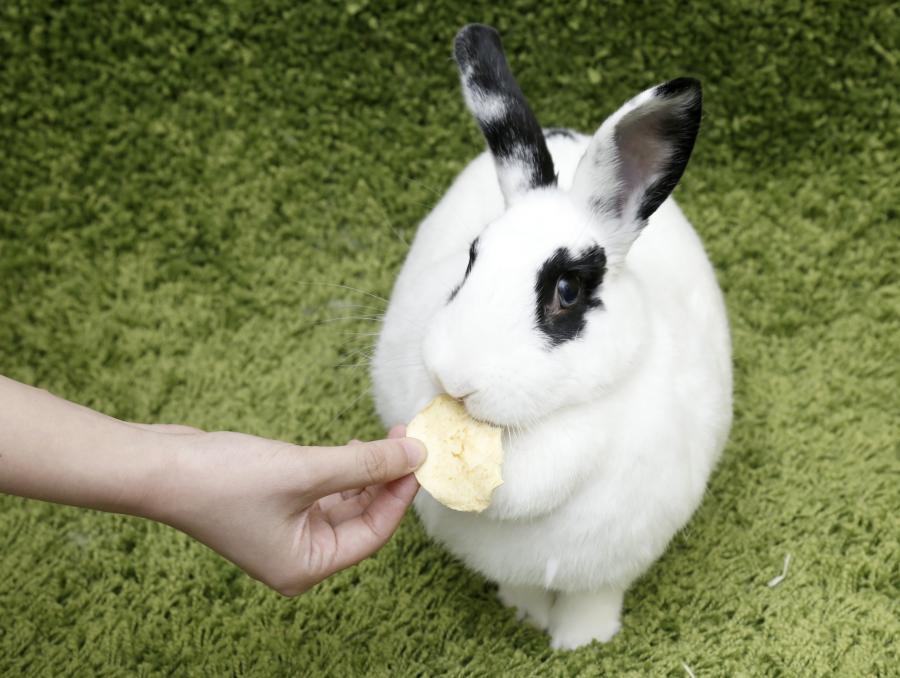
x=466 y=401
x=502 y=413
x=480 y=404
x=470 y=402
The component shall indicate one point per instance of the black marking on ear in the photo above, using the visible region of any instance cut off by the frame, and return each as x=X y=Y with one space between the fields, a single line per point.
x=678 y=130
x=551 y=132
x=509 y=126
x=588 y=267
x=473 y=255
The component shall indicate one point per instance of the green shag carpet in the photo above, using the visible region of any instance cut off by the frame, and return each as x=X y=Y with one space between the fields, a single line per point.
x=190 y=196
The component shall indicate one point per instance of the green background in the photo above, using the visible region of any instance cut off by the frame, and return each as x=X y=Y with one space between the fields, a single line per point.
x=181 y=188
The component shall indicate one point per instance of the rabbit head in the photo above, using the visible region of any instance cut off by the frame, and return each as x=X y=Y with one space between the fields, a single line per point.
x=546 y=313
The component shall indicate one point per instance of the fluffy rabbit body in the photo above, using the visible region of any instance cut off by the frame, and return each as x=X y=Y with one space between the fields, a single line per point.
x=605 y=356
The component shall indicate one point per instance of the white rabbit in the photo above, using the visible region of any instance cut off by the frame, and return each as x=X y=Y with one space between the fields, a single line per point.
x=603 y=355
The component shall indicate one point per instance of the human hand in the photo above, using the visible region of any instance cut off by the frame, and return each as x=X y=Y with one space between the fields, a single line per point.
x=289 y=516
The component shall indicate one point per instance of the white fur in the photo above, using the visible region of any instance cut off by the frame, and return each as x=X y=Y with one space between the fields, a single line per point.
x=609 y=438
x=486 y=106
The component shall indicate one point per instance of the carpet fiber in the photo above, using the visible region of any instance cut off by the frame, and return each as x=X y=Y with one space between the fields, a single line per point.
x=191 y=196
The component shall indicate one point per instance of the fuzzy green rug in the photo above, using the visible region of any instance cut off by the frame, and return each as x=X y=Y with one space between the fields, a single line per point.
x=181 y=190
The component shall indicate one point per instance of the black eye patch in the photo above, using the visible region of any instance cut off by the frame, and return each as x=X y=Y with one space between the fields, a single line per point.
x=564 y=321
x=473 y=255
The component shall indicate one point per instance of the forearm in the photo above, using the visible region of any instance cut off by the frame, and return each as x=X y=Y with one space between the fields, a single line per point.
x=288 y=515
x=58 y=451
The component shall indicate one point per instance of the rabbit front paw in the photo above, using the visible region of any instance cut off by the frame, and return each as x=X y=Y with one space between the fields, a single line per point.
x=576 y=619
x=531 y=603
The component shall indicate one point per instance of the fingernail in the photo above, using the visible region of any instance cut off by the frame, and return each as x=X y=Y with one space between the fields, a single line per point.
x=415 y=452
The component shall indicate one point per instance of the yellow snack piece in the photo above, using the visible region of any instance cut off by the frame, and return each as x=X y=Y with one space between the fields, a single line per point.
x=464 y=455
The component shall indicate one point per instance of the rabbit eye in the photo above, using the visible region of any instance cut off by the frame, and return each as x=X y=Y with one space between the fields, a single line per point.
x=568 y=289
x=473 y=254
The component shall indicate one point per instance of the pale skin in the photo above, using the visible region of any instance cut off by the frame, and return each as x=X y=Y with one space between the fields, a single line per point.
x=288 y=515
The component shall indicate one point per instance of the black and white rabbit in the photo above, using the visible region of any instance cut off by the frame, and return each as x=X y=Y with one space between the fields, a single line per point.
x=605 y=356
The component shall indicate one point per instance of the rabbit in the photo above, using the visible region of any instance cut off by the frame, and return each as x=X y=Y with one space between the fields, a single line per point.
x=560 y=293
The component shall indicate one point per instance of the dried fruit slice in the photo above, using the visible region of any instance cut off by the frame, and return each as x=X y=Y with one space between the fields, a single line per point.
x=464 y=455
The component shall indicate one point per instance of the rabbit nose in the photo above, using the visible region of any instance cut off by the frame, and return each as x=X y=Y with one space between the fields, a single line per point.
x=452 y=384
x=460 y=395
x=455 y=388
x=444 y=365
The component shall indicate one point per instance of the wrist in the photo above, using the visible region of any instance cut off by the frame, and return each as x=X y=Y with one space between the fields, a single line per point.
x=155 y=493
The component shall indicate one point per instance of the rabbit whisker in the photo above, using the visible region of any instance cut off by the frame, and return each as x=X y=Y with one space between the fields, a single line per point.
x=387 y=221
x=347 y=409
x=343 y=287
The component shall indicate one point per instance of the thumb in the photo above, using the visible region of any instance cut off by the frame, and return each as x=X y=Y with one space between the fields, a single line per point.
x=362 y=464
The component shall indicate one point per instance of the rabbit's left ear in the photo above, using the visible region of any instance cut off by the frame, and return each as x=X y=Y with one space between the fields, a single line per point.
x=636 y=158
x=510 y=128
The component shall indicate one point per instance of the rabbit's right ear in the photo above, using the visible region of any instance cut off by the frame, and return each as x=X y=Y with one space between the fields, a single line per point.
x=511 y=130
x=636 y=158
